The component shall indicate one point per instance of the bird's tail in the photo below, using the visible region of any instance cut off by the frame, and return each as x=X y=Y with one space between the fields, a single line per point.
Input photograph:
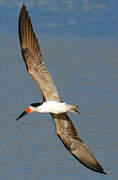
x=74 y=109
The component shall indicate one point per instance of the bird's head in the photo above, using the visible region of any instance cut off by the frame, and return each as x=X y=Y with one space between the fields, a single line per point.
x=32 y=108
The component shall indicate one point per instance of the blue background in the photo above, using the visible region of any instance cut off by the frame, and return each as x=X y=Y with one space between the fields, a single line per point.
x=79 y=43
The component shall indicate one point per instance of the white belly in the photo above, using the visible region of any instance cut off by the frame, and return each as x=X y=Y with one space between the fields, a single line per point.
x=53 y=107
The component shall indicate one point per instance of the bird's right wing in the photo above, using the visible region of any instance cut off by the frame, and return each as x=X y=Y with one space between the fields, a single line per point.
x=69 y=137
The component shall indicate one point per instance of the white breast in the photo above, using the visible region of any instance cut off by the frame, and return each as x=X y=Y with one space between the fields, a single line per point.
x=53 y=107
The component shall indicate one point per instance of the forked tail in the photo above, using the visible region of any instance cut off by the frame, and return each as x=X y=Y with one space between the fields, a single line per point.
x=74 y=109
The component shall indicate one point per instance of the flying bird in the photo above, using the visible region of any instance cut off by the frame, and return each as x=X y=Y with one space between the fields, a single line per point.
x=52 y=103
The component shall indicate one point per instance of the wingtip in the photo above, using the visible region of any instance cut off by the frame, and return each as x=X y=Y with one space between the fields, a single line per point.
x=100 y=170
x=24 y=5
x=103 y=172
x=97 y=168
x=23 y=8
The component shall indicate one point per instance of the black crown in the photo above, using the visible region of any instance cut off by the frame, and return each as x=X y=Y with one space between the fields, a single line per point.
x=36 y=104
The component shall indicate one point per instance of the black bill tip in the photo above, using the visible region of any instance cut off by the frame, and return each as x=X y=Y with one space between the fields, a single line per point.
x=21 y=115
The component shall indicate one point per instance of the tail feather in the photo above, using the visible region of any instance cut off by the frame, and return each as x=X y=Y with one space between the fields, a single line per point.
x=74 y=109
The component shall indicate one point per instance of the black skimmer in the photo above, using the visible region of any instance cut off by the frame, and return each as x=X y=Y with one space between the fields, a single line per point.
x=64 y=127
x=54 y=107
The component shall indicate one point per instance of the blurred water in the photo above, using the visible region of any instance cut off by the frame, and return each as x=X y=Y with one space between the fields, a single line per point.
x=86 y=73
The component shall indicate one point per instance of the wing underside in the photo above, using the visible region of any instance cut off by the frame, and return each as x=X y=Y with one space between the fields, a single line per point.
x=37 y=69
x=70 y=138
x=33 y=59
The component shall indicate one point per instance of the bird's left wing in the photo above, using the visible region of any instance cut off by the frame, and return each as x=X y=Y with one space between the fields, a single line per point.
x=33 y=59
